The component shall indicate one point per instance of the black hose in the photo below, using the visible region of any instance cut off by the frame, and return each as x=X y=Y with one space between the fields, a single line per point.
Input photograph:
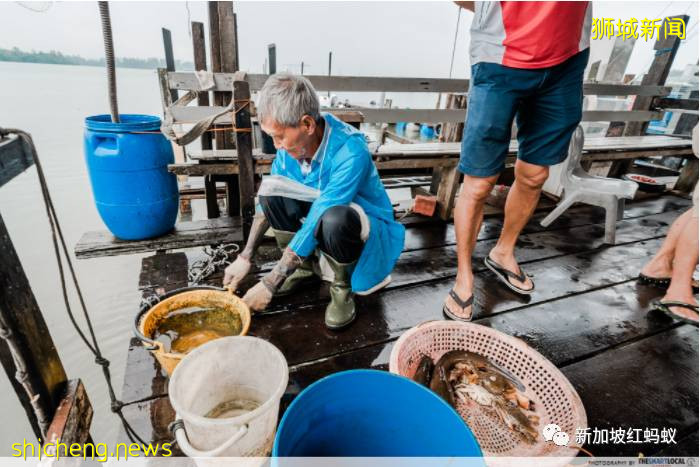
x=109 y=60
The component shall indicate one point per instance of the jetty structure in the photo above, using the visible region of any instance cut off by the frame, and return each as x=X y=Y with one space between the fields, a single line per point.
x=632 y=369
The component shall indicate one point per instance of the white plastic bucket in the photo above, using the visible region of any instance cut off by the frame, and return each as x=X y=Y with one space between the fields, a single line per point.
x=225 y=369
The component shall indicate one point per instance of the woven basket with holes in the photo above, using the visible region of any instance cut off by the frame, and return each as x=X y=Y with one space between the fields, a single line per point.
x=556 y=401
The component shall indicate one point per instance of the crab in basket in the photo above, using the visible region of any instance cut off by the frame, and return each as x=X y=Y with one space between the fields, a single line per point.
x=469 y=378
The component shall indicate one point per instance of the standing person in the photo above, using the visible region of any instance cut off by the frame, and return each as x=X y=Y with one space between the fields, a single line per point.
x=325 y=202
x=673 y=265
x=527 y=63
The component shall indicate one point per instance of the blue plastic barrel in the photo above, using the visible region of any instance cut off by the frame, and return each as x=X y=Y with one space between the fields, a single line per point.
x=372 y=413
x=427 y=132
x=135 y=194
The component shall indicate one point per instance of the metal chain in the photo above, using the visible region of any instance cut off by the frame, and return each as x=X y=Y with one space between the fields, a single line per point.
x=215 y=258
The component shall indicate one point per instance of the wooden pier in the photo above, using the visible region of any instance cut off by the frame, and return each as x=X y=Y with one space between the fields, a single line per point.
x=632 y=368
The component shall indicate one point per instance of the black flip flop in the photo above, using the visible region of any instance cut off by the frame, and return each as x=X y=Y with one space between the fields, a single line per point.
x=503 y=274
x=661 y=282
x=658 y=282
x=462 y=304
x=665 y=308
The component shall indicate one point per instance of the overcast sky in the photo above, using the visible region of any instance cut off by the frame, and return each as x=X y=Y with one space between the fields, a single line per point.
x=367 y=38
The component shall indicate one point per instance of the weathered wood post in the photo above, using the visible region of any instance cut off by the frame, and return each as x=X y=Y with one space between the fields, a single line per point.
x=27 y=351
x=224 y=59
x=272 y=59
x=169 y=58
x=244 y=144
x=200 y=63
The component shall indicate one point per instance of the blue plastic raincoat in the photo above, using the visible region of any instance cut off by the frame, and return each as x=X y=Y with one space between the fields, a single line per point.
x=343 y=171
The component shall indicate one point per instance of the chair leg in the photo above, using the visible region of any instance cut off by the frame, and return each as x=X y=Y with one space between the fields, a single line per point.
x=612 y=213
x=559 y=210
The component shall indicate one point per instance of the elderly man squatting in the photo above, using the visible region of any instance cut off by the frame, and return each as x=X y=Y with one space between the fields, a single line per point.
x=325 y=203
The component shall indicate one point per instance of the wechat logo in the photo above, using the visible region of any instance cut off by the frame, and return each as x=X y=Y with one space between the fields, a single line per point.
x=553 y=433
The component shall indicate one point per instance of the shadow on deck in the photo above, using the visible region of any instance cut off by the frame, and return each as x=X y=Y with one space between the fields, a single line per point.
x=632 y=369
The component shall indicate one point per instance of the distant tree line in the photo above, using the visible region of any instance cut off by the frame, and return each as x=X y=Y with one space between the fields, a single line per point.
x=57 y=58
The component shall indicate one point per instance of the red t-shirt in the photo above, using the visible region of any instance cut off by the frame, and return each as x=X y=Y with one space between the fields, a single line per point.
x=529 y=34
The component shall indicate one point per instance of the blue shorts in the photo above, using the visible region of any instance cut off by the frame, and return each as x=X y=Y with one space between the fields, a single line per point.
x=547 y=104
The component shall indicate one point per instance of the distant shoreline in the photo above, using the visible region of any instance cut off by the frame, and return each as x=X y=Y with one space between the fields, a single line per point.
x=57 y=58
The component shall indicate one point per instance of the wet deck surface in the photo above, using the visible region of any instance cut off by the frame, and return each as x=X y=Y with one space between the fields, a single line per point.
x=632 y=369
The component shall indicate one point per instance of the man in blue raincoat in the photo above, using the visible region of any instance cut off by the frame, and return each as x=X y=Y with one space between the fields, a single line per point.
x=325 y=203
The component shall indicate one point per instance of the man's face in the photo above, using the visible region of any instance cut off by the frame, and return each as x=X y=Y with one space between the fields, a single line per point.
x=296 y=140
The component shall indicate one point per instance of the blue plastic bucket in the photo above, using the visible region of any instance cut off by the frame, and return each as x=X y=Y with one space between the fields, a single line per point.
x=136 y=196
x=372 y=413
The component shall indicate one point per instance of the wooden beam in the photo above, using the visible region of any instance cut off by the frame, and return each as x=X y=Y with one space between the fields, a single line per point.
x=15 y=158
x=169 y=58
x=71 y=422
x=223 y=81
x=244 y=146
x=194 y=114
x=200 y=63
x=670 y=103
x=186 y=234
x=43 y=371
x=447 y=189
x=271 y=62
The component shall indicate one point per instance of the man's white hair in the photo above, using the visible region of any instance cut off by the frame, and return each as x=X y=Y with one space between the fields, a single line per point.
x=286 y=98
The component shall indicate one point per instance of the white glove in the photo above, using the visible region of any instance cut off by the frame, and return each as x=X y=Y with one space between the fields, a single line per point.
x=258 y=297
x=236 y=272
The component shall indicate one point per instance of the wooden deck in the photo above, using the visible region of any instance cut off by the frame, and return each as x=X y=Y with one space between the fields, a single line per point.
x=632 y=369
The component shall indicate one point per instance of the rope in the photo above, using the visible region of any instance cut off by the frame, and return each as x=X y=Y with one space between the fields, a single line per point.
x=57 y=237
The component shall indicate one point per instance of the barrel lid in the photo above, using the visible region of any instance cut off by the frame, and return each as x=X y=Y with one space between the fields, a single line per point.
x=128 y=122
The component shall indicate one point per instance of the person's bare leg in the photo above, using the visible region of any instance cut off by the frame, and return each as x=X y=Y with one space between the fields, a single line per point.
x=520 y=204
x=469 y=212
x=661 y=265
x=684 y=263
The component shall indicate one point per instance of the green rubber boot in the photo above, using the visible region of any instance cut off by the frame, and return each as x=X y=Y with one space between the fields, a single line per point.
x=341 y=310
x=303 y=274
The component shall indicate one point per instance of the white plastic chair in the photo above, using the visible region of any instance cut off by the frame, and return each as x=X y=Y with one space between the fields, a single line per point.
x=580 y=187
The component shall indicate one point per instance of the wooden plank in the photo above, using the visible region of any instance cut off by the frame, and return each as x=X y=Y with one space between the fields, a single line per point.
x=657 y=378
x=449 y=177
x=71 y=422
x=227 y=37
x=161 y=273
x=223 y=168
x=15 y=158
x=271 y=65
x=207 y=155
x=223 y=81
x=668 y=103
x=200 y=63
x=169 y=58
x=185 y=235
x=194 y=114
x=244 y=145
x=26 y=327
